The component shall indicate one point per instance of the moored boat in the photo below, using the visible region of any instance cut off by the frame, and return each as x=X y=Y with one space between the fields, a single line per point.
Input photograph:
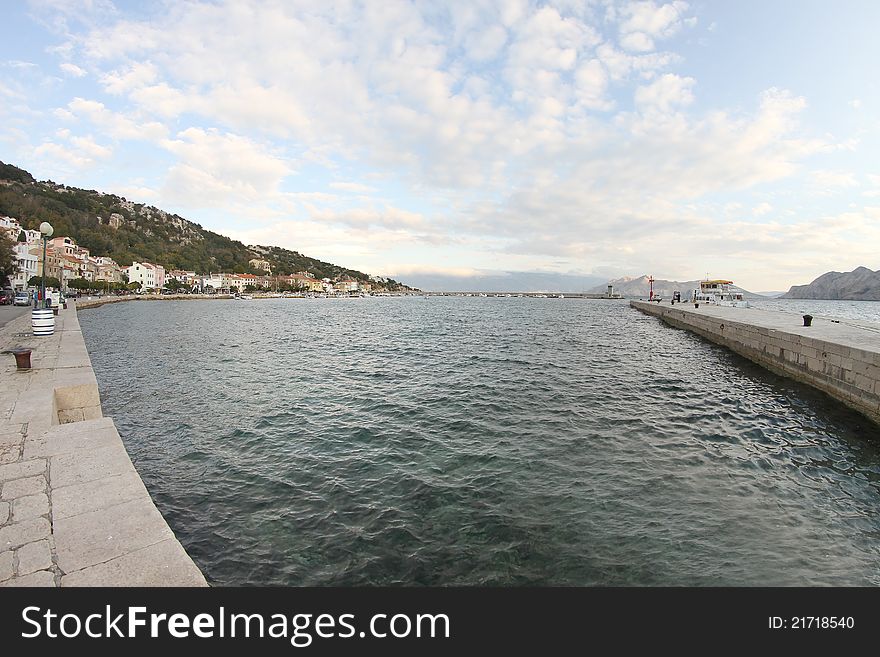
x=719 y=293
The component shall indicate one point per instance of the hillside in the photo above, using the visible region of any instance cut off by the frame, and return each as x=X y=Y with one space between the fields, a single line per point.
x=110 y=225
x=860 y=284
x=640 y=288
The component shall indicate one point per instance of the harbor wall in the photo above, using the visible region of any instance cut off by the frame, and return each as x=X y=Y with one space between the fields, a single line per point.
x=73 y=508
x=842 y=360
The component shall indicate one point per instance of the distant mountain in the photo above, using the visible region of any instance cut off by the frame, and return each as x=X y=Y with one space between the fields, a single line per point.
x=110 y=225
x=860 y=284
x=640 y=288
x=773 y=294
x=511 y=281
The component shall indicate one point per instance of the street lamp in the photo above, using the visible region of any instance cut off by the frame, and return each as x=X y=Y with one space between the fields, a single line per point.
x=46 y=230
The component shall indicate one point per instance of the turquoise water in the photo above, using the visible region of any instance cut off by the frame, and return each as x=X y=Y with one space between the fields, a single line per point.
x=481 y=441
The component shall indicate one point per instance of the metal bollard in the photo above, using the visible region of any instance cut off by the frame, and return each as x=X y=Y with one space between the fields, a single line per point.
x=22 y=357
x=808 y=320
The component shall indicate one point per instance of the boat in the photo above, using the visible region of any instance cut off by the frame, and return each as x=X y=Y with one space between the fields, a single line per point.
x=719 y=293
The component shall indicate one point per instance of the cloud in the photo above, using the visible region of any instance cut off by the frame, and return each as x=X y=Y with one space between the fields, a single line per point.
x=761 y=209
x=644 y=22
x=827 y=182
x=72 y=70
x=665 y=94
x=112 y=123
x=352 y=187
x=214 y=167
x=78 y=151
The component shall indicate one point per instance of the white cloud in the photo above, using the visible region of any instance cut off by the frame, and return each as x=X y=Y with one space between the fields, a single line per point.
x=72 y=70
x=214 y=167
x=666 y=93
x=112 y=123
x=825 y=181
x=352 y=187
x=643 y=22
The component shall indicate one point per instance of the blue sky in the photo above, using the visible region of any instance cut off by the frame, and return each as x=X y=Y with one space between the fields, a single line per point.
x=465 y=138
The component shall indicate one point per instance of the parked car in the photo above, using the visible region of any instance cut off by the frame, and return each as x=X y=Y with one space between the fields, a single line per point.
x=22 y=299
x=6 y=296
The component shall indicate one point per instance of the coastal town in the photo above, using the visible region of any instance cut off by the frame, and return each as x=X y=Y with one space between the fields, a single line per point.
x=70 y=268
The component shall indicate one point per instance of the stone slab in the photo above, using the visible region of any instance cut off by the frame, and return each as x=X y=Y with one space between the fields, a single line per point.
x=33 y=557
x=21 y=533
x=22 y=469
x=163 y=564
x=95 y=537
x=31 y=506
x=82 y=465
x=5 y=565
x=23 y=487
x=70 y=437
x=42 y=579
x=69 y=501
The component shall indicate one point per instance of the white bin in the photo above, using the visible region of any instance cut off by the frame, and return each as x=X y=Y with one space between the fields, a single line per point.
x=43 y=321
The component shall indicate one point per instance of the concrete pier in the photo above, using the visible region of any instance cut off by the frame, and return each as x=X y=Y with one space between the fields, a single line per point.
x=839 y=357
x=73 y=509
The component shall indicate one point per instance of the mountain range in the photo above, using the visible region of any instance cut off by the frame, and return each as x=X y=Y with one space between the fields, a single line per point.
x=111 y=225
x=860 y=284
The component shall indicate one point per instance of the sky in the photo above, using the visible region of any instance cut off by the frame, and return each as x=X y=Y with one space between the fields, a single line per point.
x=449 y=141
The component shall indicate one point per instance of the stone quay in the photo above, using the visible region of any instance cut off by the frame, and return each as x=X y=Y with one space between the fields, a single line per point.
x=840 y=357
x=73 y=509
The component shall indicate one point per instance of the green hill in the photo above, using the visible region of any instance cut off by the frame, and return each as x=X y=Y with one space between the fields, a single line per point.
x=110 y=225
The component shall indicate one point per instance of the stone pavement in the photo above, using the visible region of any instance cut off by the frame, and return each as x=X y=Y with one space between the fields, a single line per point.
x=73 y=509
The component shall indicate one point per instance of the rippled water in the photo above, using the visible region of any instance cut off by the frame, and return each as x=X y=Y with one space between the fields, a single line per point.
x=481 y=441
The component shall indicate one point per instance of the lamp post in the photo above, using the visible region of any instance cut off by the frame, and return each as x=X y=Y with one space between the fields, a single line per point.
x=46 y=230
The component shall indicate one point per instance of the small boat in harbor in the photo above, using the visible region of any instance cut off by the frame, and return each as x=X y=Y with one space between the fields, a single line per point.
x=719 y=293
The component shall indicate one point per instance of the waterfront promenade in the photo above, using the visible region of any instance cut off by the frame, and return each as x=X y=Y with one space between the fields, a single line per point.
x=838 y=356
x=73 y=509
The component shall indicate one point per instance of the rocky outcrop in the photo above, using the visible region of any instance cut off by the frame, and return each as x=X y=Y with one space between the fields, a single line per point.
x=860 y=284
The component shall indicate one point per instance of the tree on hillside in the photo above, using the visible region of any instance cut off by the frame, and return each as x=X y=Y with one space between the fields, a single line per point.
x=8 y=265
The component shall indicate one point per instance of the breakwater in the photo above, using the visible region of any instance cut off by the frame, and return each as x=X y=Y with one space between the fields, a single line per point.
x=73 y=509
x=839 y=357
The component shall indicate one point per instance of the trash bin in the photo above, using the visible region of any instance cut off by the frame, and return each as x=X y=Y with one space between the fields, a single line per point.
x=43 y=321
x=808 y=320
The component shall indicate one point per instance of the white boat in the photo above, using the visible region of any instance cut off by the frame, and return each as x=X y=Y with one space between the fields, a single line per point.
x=719 y=293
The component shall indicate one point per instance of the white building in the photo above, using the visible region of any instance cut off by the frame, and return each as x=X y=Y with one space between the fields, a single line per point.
x=150 y=276
x=28 y=265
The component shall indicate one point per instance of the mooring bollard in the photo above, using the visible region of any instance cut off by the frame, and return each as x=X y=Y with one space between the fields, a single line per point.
x=22 y=357
x=808 y=320
x=696 y=305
